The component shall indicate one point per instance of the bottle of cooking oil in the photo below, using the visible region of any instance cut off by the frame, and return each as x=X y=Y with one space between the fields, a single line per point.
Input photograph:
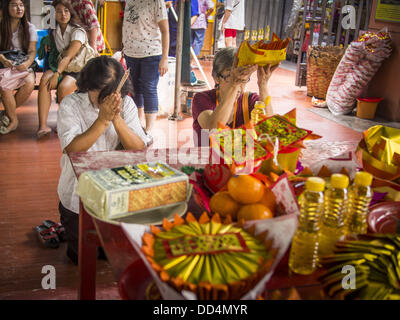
x=360 y=195
x=332 y=220
x=303 y=256
x=257 y=113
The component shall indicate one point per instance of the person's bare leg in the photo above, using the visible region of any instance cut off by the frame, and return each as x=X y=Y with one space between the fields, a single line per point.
x=142 y=118
x=150 y=120
x=234 y=42
x=8 y=98
x=66 y=87
x=25 y=91
x=228 y=41
x=44 y=101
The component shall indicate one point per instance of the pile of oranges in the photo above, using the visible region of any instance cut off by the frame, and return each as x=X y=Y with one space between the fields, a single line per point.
x=246 y=198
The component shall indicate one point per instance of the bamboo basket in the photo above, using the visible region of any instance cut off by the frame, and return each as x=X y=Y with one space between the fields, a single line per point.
x=321 y=66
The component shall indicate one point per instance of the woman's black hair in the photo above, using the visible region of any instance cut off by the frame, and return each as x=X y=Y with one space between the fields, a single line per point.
x=72 y=22
x=102 y=73
x=6 y=32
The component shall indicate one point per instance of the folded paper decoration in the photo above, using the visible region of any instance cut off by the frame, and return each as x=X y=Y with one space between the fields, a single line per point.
x=262 y=53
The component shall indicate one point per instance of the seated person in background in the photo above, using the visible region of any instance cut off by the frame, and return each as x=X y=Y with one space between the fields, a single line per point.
x=95 y=118
x=222 y=103
x=16 y=33
x=68 y=38
x=88 y=18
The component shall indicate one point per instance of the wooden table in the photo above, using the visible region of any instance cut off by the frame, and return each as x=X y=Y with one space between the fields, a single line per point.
x=120 y=253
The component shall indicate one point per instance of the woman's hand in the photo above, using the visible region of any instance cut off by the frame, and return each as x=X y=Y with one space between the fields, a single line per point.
x=53 y=81
x=264 y=73
x=163 y=66
x=241 y=75
x=22 y=67
x=6 y=63
x=110 y=108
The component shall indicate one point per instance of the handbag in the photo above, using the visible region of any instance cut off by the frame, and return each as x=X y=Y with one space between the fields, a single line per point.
x=220 y=12
x=18 y=57
x=85 y=53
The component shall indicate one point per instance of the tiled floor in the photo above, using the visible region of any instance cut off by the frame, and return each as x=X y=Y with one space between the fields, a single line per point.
x=29 y=172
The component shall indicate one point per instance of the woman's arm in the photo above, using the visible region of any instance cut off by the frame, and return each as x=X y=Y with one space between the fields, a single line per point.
x=263 y=76
x=72 y=51
x=92 y=37
x=84 y=141
x=32 y=55
x=129 y=139
x=209 y=119
x=107 y=111
x=238 y=76
x=164 y=28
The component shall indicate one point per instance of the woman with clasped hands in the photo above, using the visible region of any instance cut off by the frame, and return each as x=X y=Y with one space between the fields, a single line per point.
x=224 y=103
x=95 y=118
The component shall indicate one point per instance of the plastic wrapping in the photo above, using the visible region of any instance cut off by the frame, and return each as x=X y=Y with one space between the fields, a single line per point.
x=131 y=189
x=359 y=64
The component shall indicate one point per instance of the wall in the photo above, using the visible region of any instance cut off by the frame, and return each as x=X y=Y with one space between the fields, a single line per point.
x=386 y=82
x=36 y=11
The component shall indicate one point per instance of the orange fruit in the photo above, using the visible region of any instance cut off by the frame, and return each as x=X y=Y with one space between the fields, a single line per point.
x=254 y=212
x=245 y=189
x=222 y=203
x=268 y=199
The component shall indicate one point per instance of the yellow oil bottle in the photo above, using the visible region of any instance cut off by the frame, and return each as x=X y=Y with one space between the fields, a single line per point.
x=303 y=257
x=257 y=113
x=332 y=220
x=360 y=195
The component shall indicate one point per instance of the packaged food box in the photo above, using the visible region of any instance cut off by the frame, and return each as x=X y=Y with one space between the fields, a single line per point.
x=119 y=192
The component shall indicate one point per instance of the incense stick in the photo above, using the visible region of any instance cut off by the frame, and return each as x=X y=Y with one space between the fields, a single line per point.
x=122 y=82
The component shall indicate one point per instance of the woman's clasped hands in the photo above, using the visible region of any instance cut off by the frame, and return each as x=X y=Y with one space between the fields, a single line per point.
x=110 y=108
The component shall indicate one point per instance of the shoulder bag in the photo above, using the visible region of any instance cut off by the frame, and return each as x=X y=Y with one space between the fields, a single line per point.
x=85 y=53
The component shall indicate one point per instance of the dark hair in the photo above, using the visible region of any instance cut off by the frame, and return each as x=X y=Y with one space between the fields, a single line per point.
x=102 y=73
x=74 y=19
x=6 y=32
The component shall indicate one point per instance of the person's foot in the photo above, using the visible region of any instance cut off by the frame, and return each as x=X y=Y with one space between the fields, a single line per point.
x=43 y=132
x=4 y=119
x=11 y=127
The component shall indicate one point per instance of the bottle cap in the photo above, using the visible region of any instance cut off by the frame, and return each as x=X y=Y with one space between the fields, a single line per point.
x=315 y=184
x=363 y=178
x=259 y=104
x=339 y=181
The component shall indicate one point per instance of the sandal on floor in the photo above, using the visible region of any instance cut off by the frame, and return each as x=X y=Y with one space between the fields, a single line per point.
x=43 y=132
x=6 y=130
x=4 y=119
x=48 y=236
x=58 y=227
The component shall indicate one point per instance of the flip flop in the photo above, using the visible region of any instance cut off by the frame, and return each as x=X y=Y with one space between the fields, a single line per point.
x=43 y=132
x=48 y=236
x=58 y=227
x=6 y=130
x=4 y=119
